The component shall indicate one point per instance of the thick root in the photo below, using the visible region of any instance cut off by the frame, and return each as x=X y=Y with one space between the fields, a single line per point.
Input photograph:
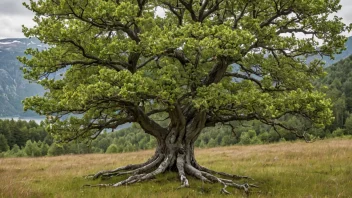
x=196 y=173
x=236 y=177
x=158 y=165
x=129 y=169
x=180 y=163
x=139 y=177
x=227 y=182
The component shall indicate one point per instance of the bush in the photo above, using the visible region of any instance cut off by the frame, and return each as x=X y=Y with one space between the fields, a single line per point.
x=32 y=149
x=338 y=132
x=245 y=139
x=15 y=152
x=44 y=149
x=152 y=143
x=212 y=143
x=226 y=140
x=104 y=144
x=129 y=148
x=97 y=150
x=264 y=137
x=256 y=140
x=202 y=144
x=112 y=149
x=55 y=150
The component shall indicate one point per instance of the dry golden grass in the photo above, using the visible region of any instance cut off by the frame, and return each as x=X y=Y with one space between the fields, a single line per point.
x=319 y=169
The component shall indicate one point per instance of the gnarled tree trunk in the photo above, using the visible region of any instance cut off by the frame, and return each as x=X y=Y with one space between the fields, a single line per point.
x=174 y=152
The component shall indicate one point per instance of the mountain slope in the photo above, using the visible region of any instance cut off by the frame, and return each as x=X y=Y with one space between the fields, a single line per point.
x=13 y=87
x=346 y=53
x=338 y=83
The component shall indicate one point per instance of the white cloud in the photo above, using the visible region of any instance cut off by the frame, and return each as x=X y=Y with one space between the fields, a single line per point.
x=11 y=26
x=346 y=11
x=12 y=16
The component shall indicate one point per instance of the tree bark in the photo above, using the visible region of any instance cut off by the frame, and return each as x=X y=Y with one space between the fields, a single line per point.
x=174 y=152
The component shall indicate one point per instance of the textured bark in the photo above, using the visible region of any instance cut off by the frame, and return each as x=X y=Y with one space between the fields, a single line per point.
x=175 y=152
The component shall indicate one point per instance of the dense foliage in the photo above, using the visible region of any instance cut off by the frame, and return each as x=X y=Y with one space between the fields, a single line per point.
x=123 y=67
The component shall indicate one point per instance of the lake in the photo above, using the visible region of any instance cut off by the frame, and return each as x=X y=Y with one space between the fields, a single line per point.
x=39 y=119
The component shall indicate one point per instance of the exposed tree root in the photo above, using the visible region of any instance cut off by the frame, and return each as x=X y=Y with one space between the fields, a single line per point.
x=181 y=171
x=236 y=177
x=129 y=169
x=227 y=182
x=135 y=177
x=159 y=164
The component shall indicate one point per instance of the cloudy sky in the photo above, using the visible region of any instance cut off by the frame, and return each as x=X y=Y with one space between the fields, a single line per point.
x=13 y=15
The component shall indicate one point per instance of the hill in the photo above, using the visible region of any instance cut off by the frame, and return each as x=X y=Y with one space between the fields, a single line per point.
x=338 y=57
x=319 y=169
x=338 y=87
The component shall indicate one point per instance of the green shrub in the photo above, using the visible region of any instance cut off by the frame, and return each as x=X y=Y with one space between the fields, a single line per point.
x=256 y=140
x=112 y=149
x=338 y=132
x=31 y=149
x=55 y=150
x=44 y=149
x=15 y=152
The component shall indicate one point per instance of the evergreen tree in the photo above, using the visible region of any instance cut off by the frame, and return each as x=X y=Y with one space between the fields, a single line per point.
x=348 y=125
x=3 y=144
x=44 y=147
x=32 y=149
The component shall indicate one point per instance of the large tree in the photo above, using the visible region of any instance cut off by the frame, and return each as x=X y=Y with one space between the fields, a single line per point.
x=195 y=63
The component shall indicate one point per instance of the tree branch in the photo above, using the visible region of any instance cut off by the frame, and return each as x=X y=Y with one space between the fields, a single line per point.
x=189 y=7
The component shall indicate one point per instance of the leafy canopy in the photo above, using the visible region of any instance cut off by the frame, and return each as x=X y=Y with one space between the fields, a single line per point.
x=125 y=60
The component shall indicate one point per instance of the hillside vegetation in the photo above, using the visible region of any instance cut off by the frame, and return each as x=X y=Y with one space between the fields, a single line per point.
x=338 y=87
x=319 y=169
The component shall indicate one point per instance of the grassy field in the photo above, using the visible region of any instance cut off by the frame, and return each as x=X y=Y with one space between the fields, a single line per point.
x=319 y=169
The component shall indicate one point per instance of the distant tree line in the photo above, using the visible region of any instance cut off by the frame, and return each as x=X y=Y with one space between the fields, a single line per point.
x=21 y=139
x=14 y=135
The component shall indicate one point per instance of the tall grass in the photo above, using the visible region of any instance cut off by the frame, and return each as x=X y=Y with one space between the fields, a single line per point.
x=319 y=169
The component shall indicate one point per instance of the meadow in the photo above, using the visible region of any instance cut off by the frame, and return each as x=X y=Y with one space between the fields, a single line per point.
x=286 y=169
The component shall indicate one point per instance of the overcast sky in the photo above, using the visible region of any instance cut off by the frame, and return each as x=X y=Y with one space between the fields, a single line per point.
x=13 y=15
